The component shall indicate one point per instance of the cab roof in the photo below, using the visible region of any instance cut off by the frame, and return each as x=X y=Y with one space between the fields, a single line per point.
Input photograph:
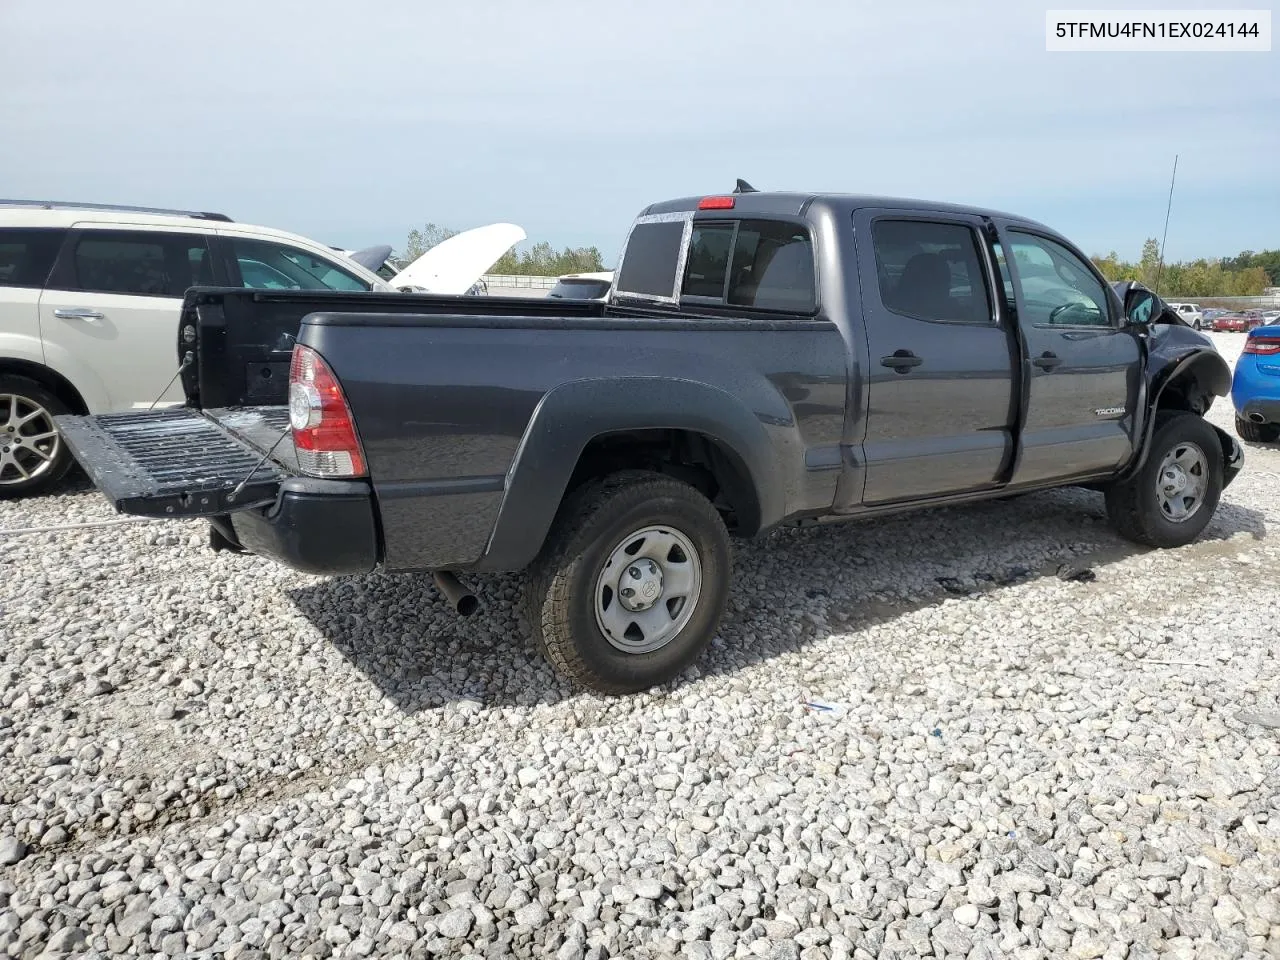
x=793 y=204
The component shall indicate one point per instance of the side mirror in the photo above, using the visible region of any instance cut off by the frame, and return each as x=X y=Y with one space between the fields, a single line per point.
x=1140 y=306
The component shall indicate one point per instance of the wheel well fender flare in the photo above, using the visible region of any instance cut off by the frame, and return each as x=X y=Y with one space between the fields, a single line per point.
x=569 y=417
x=1208 y=368
x=1205 y=366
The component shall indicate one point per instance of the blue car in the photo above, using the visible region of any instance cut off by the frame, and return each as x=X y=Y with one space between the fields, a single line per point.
x=1255 y=388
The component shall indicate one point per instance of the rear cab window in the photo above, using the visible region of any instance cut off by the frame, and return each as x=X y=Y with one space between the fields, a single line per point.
x=651 y=261
x=759 y=264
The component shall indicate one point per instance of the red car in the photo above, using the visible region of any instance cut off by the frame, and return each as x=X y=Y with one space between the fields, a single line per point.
x=1232 y=323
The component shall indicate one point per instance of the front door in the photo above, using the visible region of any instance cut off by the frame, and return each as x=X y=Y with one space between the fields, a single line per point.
x=941 y=410
x=1083 y=365
x=113 y=301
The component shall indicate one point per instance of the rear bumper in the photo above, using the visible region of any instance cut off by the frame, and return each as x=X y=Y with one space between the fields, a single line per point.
x=322 y=527
x=1256 y=391
x=1268 y=409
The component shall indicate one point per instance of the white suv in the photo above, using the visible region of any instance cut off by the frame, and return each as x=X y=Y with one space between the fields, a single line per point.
x=89 y=303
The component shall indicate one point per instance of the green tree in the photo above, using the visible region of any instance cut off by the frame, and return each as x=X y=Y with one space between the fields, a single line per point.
x=1149 y=265
x=1268 y=260
x=540 y=260
x=420 y=241
x=543 y=260
x=1245 y=275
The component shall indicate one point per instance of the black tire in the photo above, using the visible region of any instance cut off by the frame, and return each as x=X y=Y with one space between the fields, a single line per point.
x=31 y=398
x=1257 y=432
x=594 y=522
x=1134 y=506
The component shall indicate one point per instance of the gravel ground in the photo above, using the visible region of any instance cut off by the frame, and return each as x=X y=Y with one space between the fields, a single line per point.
x=206 y=755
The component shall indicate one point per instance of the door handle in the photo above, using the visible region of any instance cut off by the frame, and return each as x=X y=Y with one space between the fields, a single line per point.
x=76 y=313
x=901 y=361
x=1047 y=360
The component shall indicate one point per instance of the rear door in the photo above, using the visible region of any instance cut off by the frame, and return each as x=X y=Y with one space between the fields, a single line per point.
x=941 y=412
x=113 y=301
x=26 y=257
x=1083 y=368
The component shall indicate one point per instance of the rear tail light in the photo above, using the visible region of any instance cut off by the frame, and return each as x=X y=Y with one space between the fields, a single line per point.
x=324 y=434
x=1261 y=347
x=715 y=203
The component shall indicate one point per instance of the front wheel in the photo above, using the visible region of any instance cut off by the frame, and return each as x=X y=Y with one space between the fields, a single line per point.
x=1257 y=432
x=1170 y=501
x=631 y=584
x=33 y=456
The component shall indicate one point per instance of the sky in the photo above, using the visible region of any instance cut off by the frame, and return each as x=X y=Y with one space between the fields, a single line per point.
x=353 y=124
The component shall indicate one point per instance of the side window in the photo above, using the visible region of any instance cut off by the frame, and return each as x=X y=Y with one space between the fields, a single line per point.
x=27 y=255
x=754 y=263
x=649 y=264
x=1056 y=287
x=930 y=271
x=138 y=263
x=273 y=266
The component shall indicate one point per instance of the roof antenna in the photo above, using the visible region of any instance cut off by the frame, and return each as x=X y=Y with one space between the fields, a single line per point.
x=1168 y=210
x=744 y=187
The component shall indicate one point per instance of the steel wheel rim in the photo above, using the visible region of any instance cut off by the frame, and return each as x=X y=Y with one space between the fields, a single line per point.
x=1182 y=482
x=661 y=569
x=29 y=440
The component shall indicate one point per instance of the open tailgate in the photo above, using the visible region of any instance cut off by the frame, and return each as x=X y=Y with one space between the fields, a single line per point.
x=171 y=463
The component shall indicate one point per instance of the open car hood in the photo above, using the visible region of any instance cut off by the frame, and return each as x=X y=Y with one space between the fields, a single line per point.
x=454 y=266
x=371 y=258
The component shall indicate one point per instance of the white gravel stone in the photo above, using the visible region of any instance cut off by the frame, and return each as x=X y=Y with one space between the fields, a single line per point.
x=278 y=764
x=456 y=924
x=12 y=850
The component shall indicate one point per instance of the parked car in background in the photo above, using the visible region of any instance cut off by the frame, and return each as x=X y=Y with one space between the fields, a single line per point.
x=1230 y=323
x=582 y=286
x=1190 y=312
x=378 y=259
x=90 y=296
x=1255 y=386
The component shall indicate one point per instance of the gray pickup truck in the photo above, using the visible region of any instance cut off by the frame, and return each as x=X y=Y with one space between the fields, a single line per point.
x=763 y=358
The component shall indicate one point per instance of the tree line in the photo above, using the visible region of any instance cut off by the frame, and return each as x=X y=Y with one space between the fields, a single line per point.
x=540 y=260
x=1245 y=275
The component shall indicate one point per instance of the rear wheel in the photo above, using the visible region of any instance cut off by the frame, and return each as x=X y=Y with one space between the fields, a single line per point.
x=1170 y=501
x=1257 y=432
x=631 y=583
x=33 y=456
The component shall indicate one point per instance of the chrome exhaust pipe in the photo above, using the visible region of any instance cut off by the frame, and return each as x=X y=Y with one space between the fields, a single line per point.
x=463 y=600
x=1257 y=418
